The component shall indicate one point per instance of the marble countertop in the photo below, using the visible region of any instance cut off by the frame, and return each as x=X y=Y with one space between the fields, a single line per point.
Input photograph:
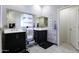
x=40 y=29
x=12 y=30
x=21 y=30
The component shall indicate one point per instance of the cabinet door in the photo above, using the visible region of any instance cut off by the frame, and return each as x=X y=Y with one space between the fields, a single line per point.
x=36 y=36
x=44 y=35
x=20 y=38
x=10 y=41
x=15 y=41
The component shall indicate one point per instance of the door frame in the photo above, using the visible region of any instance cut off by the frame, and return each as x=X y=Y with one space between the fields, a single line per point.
x=58 y=22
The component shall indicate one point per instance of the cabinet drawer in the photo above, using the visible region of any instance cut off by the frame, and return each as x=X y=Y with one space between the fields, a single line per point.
x=21 y=35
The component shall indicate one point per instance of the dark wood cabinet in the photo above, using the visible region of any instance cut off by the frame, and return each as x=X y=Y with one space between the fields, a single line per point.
x=14 y=42
x=40 y=36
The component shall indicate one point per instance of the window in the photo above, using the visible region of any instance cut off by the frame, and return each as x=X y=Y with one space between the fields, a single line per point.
x=26 y=20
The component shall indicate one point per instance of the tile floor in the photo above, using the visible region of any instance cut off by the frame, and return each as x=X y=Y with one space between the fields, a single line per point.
x=65 y=48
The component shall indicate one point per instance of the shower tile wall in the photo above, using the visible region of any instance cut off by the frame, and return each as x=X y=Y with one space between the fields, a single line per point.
x=51 y=31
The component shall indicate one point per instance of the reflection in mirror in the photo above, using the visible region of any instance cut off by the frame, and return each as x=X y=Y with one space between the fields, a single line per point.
x=19 y=18
x=41 y=21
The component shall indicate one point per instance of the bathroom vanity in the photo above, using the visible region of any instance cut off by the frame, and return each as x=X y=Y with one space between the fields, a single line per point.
x=13 y=41
x=40 y=37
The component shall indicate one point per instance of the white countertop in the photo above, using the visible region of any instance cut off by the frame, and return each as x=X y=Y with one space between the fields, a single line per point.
x=12 y=30
x=21 y=30
x=40 y=29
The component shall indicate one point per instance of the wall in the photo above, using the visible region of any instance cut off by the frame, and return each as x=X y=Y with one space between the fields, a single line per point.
x=17 y=8
x=63 y=26
x=0 y=30
x=0 y=16
x=52 y=14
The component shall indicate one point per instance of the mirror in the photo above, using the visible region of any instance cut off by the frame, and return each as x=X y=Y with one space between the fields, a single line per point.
x=20 y=19
x=41 y=21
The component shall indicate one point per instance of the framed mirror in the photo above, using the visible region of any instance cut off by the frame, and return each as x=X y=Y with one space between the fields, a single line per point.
x=41 y=21
x=20 y=19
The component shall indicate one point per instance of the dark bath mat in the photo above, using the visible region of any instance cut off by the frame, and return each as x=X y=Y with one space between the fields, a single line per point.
x=45 y=45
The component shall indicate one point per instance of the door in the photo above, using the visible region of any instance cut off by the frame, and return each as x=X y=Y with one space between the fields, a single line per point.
x=69 y=27
x=73 y=28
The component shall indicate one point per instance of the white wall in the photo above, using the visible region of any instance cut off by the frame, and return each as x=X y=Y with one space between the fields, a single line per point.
x=0 y=16
x=0 y=31
x=17 y=8
x=52 y=14
x=63 y=25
